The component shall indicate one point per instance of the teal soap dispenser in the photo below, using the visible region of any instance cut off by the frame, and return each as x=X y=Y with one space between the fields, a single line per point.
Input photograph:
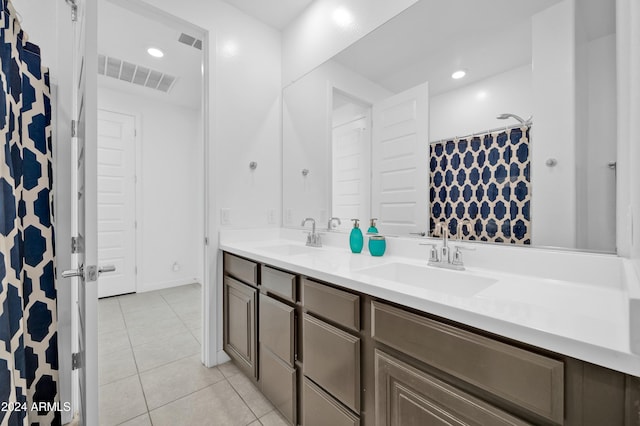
x=356 y=241
x=372 y=229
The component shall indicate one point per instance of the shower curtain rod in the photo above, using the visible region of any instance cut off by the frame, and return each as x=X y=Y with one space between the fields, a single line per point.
x=505 y=128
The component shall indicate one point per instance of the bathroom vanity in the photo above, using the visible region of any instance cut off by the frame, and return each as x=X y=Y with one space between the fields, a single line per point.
x=327 y=343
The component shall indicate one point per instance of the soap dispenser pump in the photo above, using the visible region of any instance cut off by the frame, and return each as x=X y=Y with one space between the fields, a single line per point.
x=372 y=229
x=356 y=241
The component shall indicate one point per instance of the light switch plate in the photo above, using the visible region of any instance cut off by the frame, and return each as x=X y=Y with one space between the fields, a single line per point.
x=225 y=216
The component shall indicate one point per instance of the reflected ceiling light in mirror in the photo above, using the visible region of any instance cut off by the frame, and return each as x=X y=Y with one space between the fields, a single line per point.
x=343 y=17
x=482 y=95
x=229 y=49
x=155 y=52
x=457 y=75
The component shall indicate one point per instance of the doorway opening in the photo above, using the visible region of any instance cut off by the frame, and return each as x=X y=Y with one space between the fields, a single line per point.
x=151 y=203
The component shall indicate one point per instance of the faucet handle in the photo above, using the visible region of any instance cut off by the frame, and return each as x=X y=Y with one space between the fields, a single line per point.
x=433 y=253
x=457 y=255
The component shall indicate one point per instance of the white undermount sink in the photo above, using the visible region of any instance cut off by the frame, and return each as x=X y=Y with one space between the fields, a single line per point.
x=458 y=283
x=289 y=249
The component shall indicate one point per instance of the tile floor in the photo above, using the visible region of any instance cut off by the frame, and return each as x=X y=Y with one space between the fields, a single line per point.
x=150 y=371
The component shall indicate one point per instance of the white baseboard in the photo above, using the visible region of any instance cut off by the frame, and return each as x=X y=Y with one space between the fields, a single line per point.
x=143 y=288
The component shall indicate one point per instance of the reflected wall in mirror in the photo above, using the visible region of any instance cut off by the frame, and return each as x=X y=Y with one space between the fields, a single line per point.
x=363 y=122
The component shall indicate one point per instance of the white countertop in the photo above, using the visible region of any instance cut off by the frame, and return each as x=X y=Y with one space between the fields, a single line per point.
x=586 y=321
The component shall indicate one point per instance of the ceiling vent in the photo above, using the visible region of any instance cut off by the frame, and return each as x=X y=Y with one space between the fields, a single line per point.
x=190 y=41
x=134 y=74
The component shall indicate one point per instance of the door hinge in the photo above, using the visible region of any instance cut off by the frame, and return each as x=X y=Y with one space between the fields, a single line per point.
x=74 y=128
x=206 y=241
x=74 y=245
x=75 y=361
x=74 y=10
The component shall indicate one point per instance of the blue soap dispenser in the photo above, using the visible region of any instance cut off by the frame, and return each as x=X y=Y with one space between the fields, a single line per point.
x=372 y=229
x=356 y=241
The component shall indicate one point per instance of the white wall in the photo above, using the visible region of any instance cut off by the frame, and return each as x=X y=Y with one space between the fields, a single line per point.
x=170 y=218
x=314 y=37
x=245 y=109
x=601 y=135
x=307 y=138
x=554 y=127
x=628 y=175
x=48 y=24
x=473 y=108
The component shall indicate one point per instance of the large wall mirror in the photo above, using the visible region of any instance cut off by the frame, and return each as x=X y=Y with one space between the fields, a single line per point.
x=520 y=150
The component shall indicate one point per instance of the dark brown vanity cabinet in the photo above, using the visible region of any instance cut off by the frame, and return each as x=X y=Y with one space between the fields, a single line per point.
x=277 y=331
x=330 y=356
x=240 y=312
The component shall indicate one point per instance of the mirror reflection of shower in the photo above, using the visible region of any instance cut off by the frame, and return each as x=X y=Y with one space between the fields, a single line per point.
x=506 y=116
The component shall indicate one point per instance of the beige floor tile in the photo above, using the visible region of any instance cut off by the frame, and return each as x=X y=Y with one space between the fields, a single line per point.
x=116 y=366
x=256 y=401
x=216 y=405
x=193 y=323
x=108 y=307
x=113 y=341
x=165 y=350
x=121 y=401
x=187 y=309
x=153 y=317
x=228 y=369
x=177 y=379
x=274 y=418
x=112 y=323
x=197 y=333
x=143 y=335
x=143 y=420
x=141 y=301
x=256 y=423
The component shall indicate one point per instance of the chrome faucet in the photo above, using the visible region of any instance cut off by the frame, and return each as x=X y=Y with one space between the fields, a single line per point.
x=313 y=238
x=331 y=222
x=442 y=258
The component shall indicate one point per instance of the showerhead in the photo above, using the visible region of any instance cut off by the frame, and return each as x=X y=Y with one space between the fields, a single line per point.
x=509 y=115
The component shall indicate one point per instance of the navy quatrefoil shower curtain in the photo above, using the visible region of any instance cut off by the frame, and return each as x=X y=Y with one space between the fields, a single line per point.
x=28 y=322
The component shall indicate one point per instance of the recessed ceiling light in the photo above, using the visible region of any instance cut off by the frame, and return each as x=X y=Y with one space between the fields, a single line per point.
x=342 y=17
x=155 y=52
x=458 y=74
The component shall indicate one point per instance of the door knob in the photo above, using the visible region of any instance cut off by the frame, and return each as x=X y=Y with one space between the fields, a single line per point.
x=107 y=268
x=73 y=273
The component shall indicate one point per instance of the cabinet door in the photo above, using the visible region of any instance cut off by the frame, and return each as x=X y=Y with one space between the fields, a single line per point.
x=277 y=328
x=406 y=396
x=278 y=382
x=240 y=324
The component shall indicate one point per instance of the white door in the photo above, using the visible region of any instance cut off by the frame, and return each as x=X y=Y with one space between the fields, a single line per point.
x=351 y=155
x=116 y=202
x=84 y=216
x=400 y=160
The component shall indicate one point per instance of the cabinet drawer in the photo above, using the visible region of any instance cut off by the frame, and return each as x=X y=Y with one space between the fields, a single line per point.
x=241 y=269
x=332 y=360
x=529 y=380
x=335 y=305
x=280 y=283
x=277 y=328
x=320 y=409
x=405 y=395
x=279 y=384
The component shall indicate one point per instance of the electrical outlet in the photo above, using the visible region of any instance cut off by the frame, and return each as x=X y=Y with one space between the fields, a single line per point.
x=288 y=216
x=271 y=216
x=225 y=216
